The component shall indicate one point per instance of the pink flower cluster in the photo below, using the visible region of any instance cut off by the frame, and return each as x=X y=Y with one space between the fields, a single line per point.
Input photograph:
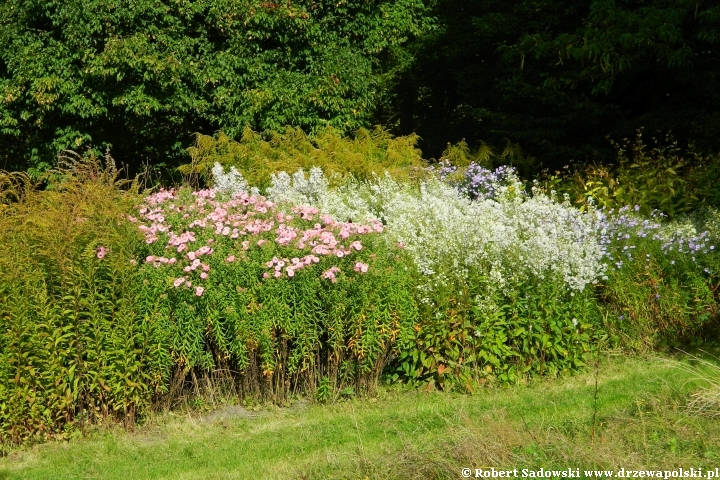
x=236 y=221
x=157 y=261
x=195 y=265
x=305 y=212
x=290 y=266
x=181 y=241
x=100 y=252
x=158 y=198
x=361 y=267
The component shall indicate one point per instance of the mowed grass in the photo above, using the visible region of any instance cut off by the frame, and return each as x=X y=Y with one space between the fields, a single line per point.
x=638 y=419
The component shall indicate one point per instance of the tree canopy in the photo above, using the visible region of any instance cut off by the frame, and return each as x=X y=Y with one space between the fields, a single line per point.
x=143 y=75
x=556 y=77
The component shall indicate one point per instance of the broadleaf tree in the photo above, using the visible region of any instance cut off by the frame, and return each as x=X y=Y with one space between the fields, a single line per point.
x=142 y=76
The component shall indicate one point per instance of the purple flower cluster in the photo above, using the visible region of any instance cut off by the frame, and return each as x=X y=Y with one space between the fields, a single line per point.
x=620 y=232
x=445 y=168
x=476 y=182
x=479 y=182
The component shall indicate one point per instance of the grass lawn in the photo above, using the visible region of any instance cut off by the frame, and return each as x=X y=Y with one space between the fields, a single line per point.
x=641 y=421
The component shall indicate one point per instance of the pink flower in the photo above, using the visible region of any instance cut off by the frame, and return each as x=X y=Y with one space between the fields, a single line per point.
x=133 y=261
x=330 y=274
x=188 y=283
x=199 y=291
x=266 y=275
x=230 y=259
x=356 y=245
x=206 y=268
x=172 y=260
x=260 y=243
x=290 y=272
x=361 y=267
x=245 y=245
x=203 y=275
x=340 y=253
x=150 y=258
x=101 y=251
x=179 y=281
x=191 y=255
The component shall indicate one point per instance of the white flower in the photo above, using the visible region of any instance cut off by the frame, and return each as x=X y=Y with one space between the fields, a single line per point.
x=453 y=239
x=231 y=182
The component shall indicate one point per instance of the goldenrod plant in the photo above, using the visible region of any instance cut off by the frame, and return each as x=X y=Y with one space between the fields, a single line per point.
x=73 y=345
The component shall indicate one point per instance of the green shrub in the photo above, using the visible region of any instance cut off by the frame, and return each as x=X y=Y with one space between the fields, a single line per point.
x=664 y=177
x=531 y=329
x=140 y=75
x=257 y=156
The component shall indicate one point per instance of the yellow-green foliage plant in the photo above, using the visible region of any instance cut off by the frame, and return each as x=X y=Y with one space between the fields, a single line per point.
x=258 y=156
x=72 y=347
x=460 y=155
x=664 y=177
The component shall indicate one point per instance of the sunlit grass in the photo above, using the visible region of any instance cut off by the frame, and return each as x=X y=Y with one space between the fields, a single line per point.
x=641 y=422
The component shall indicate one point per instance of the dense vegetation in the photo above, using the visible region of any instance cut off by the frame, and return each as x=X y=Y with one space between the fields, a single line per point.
x=115 y=302
x=559 y=76
x=301 y=252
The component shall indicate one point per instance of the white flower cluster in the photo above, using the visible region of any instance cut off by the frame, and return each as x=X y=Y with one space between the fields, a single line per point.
x=231 y=182
x=449 y=236
x=297 y=189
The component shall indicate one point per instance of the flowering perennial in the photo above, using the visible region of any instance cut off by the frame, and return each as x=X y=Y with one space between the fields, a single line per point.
x=476 y=181
x=620 y=231
x=190 y=227
x=505 y=236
